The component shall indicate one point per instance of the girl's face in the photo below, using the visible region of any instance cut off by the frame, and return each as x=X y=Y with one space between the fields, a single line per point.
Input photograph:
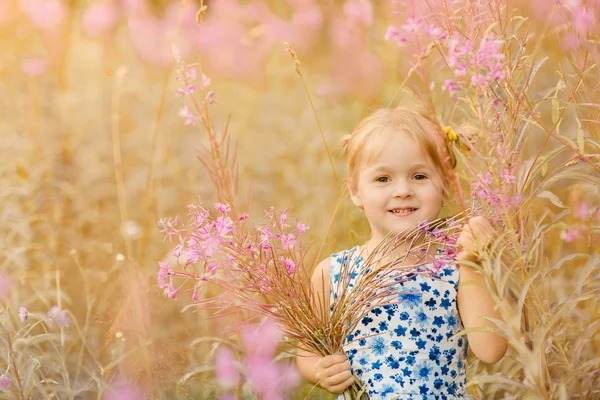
x=399 y=189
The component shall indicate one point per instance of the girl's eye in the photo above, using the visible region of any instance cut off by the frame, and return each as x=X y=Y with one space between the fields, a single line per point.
x=382 y=179
x=420 y=177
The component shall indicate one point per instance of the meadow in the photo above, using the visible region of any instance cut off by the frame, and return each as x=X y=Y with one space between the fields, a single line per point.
x=105 y=107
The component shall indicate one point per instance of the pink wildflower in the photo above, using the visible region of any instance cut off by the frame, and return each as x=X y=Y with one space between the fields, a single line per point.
x=301 y=228
x=191 y=89
x=461 y=69
x=222 y=208
x=58 y=317
x=192 y=74
x=265 y=234
x=573 y=234
x=243 y=217
x=283 y=219
x=226 y=371
x=224 y=226
x=46 y=14
x=205 y=81
x=289 y=265
x=35 y=66
x=289 y=241
x=360 y=11
x=123 y=391
x=185 y=113
x=23 y=314
x=435 y=32
x=180 y=92
x=211 y=97
x=164 y=275
x=508 y=178
x=581 y=211
x=100 y=17
x=451 y=85
x=210 y=245
x=5 y=382
x=391 y=33
x=262 y=340
x=479 y=80
x=412 y=25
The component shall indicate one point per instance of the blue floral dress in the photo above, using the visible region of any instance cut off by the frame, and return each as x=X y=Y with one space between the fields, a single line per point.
x=411 y=355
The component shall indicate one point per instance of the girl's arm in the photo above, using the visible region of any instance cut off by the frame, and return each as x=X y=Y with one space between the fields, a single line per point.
x=305 y=360
x=475 y=303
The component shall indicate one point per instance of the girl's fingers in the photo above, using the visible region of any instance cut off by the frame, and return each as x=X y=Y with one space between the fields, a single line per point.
x=340 y=378
x=343 y=386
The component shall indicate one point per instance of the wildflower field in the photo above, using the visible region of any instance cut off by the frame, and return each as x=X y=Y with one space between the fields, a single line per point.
x=151 y=148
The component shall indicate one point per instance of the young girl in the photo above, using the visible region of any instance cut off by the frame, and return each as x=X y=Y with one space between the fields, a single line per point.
x=397 y=161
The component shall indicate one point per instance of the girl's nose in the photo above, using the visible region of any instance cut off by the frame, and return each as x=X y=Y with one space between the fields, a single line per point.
x=402 y=189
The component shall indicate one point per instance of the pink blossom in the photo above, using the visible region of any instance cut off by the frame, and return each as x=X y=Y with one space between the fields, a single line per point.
x=212 y=99
x=360 y=11
x=5 y=382
x=489 y=53
x=45 y=14
x=435 y=32
x=461 y=69
x=289 y=265
x=289 y=241
x=583 y=19
x=35 y=66
x=412 y=25
x=497 y=73
x=391 y=33
x=163 y=274
x=581 y=211
x=508 y=178
x=205 y=81
x=192 y=74
x=180 y=92
x=224 y=226
x=265 y=234
x=451 y=85
x=301 y=228
x=210 y=245
x=262 y=340
x=189 y=117
x=5 y=285
x=226 y=371
x=572 y=234
x=100 y=17
x=23 y=314
x=222 y=208
x=243 y=217
x=191 y=89
x=123 y=390
x=283 y=219
x=58 y=317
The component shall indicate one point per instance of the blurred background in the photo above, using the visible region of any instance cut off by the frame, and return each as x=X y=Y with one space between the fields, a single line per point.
x=93 y=152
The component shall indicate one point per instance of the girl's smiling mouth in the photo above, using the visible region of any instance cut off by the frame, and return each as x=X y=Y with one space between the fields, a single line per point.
x=403 y=212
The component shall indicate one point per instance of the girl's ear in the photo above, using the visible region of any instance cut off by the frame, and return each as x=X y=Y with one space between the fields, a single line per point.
x=353 y=190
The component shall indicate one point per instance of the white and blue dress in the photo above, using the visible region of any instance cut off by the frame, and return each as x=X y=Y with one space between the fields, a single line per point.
x=405 y=350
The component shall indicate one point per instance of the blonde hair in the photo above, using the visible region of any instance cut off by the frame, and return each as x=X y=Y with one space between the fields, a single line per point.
x=426 y=132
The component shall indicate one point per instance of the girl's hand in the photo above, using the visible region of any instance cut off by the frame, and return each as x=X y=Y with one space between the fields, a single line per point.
x=333 y=373
x=477 y=231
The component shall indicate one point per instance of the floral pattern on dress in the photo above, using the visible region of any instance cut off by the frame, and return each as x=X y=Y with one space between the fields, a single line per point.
x=406 y=350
